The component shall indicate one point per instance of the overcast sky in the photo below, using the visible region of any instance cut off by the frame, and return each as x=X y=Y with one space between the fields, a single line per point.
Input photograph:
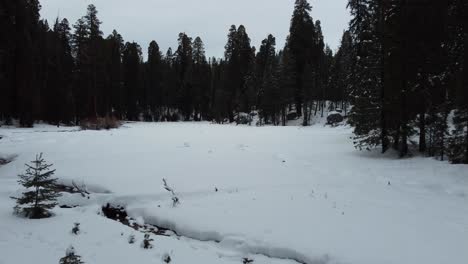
x=162 y=20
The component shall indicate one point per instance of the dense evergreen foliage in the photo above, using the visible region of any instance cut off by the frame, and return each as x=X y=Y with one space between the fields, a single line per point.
x=41 y=194
x=409 y=80
x=399 y=74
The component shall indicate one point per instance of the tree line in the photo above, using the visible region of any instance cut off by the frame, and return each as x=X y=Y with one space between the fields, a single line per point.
x=407 y=78
x=66 y=73
x=399 y=74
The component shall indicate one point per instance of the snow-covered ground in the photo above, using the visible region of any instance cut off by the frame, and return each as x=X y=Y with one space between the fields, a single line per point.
x=285 y=195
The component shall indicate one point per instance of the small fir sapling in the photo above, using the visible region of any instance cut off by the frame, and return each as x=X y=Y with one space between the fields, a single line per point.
x=40 y=195
x=146 y=244
x=167 y=258
x=70 y=257
x=76 y=229
x=247 y=260
x=131 y=239
x=175 y=199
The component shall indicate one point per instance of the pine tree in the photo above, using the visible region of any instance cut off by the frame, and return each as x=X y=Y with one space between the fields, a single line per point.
x=268 y=94
x=154 y=91
x=287 y=83
x=246 y=63
x=458 y=148
x=457 y=45
x=302 y=46
x=184 y=66
x=366 y=81
x=131 y=62
x=320 y=71
x=7 y=60
x=341 y=70
x=80 y=48
x=40 y=195
x=70 y=257
x=200 y=80
x=92 y=22
x=115 y=93
x=26 y=50
x=59 y=89
x=238 y=86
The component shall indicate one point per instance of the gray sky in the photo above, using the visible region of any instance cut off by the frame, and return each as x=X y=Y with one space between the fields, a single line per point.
x=162 y=20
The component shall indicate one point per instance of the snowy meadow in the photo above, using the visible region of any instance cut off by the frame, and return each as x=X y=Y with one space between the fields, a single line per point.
x=246 y=195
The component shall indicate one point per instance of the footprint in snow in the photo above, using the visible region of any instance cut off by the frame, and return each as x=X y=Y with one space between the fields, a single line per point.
x=185 y=145
x=243 y=147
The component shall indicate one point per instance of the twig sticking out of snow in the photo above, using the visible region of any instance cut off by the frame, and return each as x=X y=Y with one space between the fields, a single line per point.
x=247 y=260
x=76 y=229
x=175 y=199
x=146 y=244
x=80 y=189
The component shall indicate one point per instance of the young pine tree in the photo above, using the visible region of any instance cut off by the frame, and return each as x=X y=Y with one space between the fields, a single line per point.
x=458 y=147
x=437 y=132
x=70 y=257
x=40 y=195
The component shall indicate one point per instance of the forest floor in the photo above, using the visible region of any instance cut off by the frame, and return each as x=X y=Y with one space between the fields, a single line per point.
x=262 y=194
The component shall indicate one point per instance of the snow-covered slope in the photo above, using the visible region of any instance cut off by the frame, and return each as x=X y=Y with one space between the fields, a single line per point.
x=285 y=195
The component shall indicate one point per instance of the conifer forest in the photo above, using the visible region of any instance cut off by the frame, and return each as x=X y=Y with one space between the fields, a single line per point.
x=289 y=147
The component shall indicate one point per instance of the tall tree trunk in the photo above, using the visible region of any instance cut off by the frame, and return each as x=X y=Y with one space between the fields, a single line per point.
x=383 y=120
x=323 y=106
x=465 y=74
x=422 y=132
x=305 y=121
x=283 y=113
x=299 y=96
x=404 y=140
x=316 y=108
x=466 y=147
x=403 y=149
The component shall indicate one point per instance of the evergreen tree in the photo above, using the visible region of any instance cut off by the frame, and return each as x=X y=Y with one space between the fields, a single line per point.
x=321 y=69
x=437 y=132
x=131 y=61
x=184 y=68
x=341 y=72
x=287 y=83
x=114 y=94
x=8 y=30
x=302 y=47
x=26 y=53
x=239 y=57
x=366 y=81
x=269 y=101
x=457 y=44
x=154 y=90
x=71 y=257
x=61 y=64
x=201 y=80
x=40 y=195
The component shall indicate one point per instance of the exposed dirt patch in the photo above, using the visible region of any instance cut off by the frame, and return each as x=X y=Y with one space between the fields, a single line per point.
x=120 y=215
x=7 y=159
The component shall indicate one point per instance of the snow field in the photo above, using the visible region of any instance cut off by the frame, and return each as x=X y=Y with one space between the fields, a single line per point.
x=295 y=193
